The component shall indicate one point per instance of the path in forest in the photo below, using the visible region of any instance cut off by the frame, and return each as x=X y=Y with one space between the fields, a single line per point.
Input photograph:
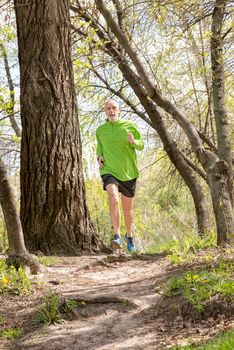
x=123 y=309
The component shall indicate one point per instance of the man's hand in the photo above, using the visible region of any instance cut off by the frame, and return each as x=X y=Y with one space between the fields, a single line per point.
x=131 y=139
x=100 y=161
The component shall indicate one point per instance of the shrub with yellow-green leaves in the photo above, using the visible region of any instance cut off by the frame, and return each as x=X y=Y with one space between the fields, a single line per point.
x=13 y=281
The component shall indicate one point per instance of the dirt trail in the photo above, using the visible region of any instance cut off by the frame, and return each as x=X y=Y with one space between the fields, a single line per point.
x=122 y=310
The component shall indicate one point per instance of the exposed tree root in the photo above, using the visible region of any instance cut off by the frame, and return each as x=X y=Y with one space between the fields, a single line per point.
x=102 y=300
x=26 y=259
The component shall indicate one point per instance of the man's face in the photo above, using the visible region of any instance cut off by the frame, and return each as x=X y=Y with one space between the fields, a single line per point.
x=112 y=110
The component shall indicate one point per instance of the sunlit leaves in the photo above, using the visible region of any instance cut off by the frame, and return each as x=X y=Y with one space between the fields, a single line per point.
x=7 y=34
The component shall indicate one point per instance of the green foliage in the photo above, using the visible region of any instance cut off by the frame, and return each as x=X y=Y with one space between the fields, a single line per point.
x=223 y=341
x=11 y=333
x=99 y=208
x=163 y=209
x=54 y=309
x=16 y=139
x=49 y=312
x=199 y=286
x=13 y=281
x=165 y=217
x=5 y=102
x=7 y=34
x=70 y=306
x=184 y=249
x=3 y=235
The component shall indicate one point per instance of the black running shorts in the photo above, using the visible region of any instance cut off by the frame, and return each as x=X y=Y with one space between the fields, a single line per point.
x=127 y=188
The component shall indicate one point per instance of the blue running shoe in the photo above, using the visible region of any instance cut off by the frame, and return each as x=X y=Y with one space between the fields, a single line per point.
x=116 y=242
x=130 y=245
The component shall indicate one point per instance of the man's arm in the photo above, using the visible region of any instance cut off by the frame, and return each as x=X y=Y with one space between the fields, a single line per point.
x=135 y=138
x=99 y=153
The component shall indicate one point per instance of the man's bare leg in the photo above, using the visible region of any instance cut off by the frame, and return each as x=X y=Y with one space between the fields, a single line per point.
x=112 y=190
x=127 y=204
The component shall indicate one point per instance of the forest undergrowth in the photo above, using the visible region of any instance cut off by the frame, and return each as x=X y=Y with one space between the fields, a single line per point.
x=192 y=296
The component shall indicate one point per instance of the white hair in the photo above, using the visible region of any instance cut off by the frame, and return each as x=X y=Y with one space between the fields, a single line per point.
x=111 y=100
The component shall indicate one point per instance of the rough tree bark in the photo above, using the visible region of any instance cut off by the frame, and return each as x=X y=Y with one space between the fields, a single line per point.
x=218 y=173
x=54 y=213
x=18 y=254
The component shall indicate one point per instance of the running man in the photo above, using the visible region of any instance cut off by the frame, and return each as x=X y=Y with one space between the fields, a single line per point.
x=117 y=142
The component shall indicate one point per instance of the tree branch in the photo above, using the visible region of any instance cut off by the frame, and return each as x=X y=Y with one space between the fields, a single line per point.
x=194 y=166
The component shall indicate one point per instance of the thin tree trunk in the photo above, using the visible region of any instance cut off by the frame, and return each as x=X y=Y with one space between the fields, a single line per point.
x=221 y=179
x=220 y=110
x=18 y=254
x=54 y=212
x=217 y=178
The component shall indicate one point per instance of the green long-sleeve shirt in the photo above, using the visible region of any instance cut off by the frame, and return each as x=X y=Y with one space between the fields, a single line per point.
x=120 y=159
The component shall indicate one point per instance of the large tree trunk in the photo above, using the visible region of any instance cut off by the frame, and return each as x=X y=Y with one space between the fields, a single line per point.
x=54 y=212
x=18 y=254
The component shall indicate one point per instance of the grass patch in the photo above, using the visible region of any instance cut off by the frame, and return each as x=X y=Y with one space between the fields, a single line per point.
x=49 y=312
x=220 y=342
x=11 y=333
x=199 y=286
x=54 y=309
x=184 y=250
x=47 y=260
x=70 y=305
x=13 y=281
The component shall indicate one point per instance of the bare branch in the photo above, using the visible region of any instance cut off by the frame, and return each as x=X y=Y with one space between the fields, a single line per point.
x=194 y=166
x=208 y=142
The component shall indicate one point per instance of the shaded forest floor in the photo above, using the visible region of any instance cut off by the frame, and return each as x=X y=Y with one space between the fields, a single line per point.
x=121 y=307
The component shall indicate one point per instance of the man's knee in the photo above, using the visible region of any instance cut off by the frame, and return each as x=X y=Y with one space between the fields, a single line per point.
x=128 y=212
x=112 y=190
